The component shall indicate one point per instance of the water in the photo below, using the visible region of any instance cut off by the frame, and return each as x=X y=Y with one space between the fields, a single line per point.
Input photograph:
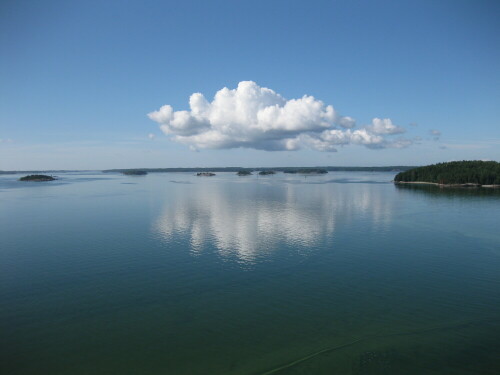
x=171 y=273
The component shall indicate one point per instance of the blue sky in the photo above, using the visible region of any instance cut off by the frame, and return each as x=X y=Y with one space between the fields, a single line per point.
x=79 y=79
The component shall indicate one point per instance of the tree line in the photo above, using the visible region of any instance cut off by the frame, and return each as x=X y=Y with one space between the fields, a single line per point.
x=456 y=172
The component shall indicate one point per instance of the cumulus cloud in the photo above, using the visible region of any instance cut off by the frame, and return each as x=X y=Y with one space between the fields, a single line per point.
x=384 y=126
x=256 y=117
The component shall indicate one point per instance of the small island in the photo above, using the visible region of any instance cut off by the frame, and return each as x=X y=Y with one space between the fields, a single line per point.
x=244 y=173
x=265 y=173
x=306 y=171
x=37 y=178
x=135 y=172
x=474 y=173
x=205 y=174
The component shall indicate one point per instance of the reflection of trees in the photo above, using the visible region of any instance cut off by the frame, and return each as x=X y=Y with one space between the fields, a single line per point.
x=251 y=219
x=437 y=192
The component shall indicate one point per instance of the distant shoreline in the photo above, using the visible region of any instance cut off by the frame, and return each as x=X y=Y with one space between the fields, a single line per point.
x=397 y=168
x=467 y=185
x=390 y=168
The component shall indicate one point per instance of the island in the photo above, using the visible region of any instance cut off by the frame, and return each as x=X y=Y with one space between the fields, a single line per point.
x=244 y=173
x=135 y=172
x=206 y=174
x=395 y=168
x=264 y=173
x=37 y=178
x=472 y=173
x=306 y=171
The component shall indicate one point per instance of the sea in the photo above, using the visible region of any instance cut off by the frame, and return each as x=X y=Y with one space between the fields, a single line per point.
x=171 y=273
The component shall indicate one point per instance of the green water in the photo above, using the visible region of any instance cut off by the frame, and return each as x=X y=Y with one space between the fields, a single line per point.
x=171 y=273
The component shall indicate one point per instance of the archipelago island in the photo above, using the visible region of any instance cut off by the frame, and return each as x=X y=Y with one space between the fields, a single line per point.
x=205 y=174
x=135 y=172
x=37 y=178
x=474 y=173
x=265 y=173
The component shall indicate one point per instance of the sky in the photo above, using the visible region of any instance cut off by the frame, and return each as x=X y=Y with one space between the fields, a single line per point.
x=135 y=84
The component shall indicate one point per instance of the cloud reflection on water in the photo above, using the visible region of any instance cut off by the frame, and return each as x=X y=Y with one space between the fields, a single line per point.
x=251 y=220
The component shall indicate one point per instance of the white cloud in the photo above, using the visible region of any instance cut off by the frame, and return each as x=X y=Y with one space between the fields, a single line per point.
x=435 y=133
x=151 y=136
x=384 y=126
x=347 y=122
x=256 y=117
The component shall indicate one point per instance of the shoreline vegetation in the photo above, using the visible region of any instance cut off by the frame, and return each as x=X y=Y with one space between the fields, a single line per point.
x=305 y=170
x=244 y=173
x=463 y=174
x=37 y=178
x=205 y=174
x=445 y=185
x=135 y=172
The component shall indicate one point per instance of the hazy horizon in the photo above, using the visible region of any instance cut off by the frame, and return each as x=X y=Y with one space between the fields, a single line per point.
x=215 y=167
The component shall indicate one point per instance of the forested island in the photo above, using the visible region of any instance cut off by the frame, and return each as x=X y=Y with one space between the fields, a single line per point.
x=265 y=173
x=135 y=172
x=456 y=173
x=37 y=177
x=244 y=173
x=205 y=174
x=395 y=168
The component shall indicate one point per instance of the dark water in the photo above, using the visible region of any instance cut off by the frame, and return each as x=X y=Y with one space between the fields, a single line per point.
x=175 y=274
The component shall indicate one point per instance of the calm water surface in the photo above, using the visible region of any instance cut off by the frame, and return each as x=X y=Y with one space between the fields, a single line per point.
x=171 y=273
